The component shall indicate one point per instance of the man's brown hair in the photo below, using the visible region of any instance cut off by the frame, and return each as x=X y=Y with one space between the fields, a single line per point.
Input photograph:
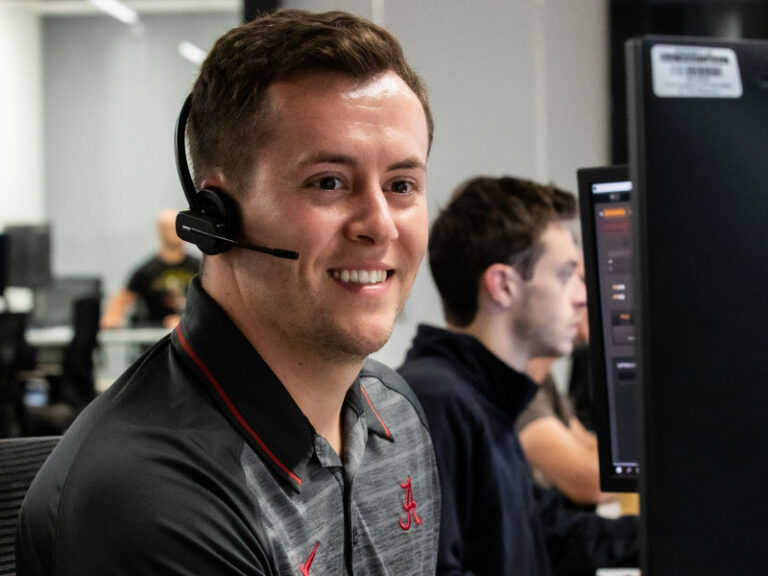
x=230 y=107
x=490 y=221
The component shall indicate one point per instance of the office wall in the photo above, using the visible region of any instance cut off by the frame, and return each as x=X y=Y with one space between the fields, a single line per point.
x=112 y=94
x=517 y=87
x=21 y=145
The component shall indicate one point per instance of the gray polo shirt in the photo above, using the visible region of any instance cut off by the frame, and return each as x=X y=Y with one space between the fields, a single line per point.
x=197 y=461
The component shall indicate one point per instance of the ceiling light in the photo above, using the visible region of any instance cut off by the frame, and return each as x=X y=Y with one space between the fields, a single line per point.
x=118 y=10
x=191 y=52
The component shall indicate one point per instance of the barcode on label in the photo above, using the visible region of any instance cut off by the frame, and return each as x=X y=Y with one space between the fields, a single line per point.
x=701 y=71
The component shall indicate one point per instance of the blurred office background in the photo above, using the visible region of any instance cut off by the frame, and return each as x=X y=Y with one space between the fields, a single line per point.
x=88 y=103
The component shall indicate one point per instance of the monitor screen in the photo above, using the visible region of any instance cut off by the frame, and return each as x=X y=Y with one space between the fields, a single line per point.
x=29 y=255
x=606 y=219
x=54 y=304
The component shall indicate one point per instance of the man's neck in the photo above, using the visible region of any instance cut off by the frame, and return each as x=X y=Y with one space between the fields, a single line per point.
x=498 y=339
x=171 y=255
x=316 y=382
x=317 y=385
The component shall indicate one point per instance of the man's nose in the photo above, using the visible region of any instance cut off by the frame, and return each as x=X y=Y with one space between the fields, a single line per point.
x=373 y=220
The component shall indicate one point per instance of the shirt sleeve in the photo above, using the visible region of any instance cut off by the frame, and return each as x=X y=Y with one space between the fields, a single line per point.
x=538 y=408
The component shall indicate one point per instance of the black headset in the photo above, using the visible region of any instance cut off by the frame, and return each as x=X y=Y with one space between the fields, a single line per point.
x=212 y=222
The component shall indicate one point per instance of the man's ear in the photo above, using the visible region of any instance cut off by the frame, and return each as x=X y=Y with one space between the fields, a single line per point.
x=500 y=283
x=216 y=179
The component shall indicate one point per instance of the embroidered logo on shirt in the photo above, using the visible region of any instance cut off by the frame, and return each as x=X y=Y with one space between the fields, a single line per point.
x=305 y=567
x=409 y=506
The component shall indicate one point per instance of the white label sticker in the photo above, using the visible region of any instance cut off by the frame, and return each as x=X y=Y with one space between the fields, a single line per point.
x=695 y=72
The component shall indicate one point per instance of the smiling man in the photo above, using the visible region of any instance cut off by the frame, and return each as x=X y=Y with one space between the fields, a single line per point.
x=257 y=438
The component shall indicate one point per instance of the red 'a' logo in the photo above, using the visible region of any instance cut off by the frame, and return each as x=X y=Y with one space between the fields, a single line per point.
x=409 y=506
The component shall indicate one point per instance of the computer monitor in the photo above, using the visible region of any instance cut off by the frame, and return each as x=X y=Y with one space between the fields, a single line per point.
x=606 y=220
x=54 y=304
x=29 y=255
x=698 y=128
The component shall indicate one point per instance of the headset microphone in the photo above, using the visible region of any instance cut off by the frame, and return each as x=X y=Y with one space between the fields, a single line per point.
x=212 y=222
x=279 y=252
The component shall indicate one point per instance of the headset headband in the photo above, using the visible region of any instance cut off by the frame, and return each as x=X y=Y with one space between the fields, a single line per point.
x=187 y=185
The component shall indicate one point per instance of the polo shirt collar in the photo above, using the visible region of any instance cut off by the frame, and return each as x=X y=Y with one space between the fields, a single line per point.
x=248 y=393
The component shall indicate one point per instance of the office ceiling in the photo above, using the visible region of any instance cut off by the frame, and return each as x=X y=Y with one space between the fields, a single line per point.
x=64 y=7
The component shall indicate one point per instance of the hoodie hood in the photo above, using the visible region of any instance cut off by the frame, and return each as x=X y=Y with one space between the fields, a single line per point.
x=501 y=384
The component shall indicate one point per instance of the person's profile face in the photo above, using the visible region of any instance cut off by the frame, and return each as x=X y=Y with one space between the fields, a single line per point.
x=341 y=179
x=553 y=300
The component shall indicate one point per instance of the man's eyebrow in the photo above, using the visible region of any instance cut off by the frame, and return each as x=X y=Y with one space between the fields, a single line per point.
x=335 y=158
x=407 y=164
x=327 y=158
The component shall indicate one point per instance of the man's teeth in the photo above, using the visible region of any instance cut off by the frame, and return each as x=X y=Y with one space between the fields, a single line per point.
x=361 y=276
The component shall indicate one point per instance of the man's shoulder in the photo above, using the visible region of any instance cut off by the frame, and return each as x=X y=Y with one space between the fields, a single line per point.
x=123 y=482
x=393 y=383
x=434 y=376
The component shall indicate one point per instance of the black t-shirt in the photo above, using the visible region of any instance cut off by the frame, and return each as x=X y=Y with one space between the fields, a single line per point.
x=161 y=288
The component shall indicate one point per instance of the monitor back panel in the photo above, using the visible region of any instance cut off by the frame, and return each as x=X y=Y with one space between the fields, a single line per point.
x=699 y=164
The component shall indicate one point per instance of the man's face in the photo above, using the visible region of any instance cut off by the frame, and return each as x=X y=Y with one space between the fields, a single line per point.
x=553 y=300
x=341 y=180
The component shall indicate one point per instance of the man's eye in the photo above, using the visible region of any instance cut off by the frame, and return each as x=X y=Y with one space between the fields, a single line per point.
x=329 y=183
x=402 y=186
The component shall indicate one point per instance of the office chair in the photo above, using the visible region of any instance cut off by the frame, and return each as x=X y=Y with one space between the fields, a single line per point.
x=20 y=459
x=75 y=387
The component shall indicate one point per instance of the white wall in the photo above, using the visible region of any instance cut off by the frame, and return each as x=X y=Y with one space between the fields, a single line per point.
x=21 y=144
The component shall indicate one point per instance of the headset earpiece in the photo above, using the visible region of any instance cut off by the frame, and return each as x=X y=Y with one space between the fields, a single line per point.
x=215 y=214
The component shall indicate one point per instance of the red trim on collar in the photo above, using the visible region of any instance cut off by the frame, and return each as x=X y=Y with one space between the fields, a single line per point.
x=367 y=399
x=220 y=391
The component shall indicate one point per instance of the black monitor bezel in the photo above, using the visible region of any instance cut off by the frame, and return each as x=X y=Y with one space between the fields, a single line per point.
x=23 y=271
x=609 y=480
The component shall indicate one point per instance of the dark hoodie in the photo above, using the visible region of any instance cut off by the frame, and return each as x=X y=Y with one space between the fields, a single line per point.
x=494 y=520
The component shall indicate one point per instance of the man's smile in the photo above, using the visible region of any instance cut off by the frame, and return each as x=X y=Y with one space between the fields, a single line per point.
x=361 y=276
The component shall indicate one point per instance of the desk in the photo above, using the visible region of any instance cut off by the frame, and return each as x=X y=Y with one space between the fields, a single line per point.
x=118 y=348
x=131 y=335
x=59 y=336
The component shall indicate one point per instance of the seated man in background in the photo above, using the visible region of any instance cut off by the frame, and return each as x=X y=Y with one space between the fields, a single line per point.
x=505 y=267
x=257 y=438
x=157 y=290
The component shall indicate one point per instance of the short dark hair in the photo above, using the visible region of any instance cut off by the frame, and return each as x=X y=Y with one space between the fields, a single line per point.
x=489 y=221
x=229 y=99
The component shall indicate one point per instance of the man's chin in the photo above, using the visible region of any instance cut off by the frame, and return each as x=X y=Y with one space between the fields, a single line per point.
x=356 y=345
x=555 y=351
